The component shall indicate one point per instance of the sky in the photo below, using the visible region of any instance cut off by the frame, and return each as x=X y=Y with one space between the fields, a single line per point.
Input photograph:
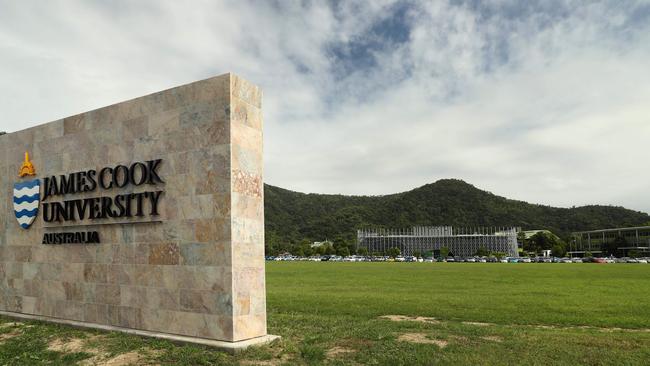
x=542 y=101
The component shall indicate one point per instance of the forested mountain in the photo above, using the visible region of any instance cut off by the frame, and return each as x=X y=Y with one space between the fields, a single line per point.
x=293 y=217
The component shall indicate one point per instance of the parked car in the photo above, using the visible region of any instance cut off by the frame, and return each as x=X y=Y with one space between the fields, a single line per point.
x=524 y=260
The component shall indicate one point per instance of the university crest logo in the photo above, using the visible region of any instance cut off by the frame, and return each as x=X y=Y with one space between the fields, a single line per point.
x=26 y=195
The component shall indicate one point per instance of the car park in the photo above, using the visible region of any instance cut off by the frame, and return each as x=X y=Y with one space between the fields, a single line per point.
x=412 y=259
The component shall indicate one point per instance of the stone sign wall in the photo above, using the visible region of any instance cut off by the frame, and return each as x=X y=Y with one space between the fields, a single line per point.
x=189 y=264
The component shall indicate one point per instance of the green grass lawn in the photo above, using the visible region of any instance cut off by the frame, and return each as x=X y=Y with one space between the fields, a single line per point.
x=333 y=313
x=613 y=295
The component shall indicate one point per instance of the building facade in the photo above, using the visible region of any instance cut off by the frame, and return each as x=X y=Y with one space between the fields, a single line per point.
x=460 y=241
x=617 y=241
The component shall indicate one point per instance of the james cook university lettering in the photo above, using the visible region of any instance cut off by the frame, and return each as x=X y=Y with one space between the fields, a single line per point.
x=118 y=206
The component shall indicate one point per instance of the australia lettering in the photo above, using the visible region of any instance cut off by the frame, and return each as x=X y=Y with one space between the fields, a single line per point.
x=84 y=237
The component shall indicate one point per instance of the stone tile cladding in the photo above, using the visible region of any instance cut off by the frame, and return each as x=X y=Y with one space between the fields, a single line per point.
x=199 y=272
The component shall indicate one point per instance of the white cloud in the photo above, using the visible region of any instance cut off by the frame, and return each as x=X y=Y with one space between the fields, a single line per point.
x=541 y=102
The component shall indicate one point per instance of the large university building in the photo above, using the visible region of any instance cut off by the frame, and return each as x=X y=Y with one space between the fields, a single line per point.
x=463 y=242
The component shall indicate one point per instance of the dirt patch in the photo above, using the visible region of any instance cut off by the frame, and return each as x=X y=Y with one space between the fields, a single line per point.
x=72 y=345
x=130 y=358
x=5 y=336
x=404 y=318
x=10 y=325
x=273 y=362
x=544 y=327
x=338 y=351
x=493 y=339
x=421 y=339
x=478 y=324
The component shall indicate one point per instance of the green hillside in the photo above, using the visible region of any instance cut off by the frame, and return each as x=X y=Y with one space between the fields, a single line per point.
x=292 y=217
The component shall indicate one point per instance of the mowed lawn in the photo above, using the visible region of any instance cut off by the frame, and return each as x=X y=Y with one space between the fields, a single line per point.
x=401 y=314
x=614 y=295
x=484 y=313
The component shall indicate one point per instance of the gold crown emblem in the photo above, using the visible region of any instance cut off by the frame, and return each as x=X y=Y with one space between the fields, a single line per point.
x=27 y=168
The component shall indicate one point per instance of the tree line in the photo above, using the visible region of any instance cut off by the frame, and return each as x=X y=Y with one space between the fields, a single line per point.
x=294 y=220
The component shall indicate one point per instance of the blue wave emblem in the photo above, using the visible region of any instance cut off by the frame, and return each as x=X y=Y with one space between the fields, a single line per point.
x=26 y=199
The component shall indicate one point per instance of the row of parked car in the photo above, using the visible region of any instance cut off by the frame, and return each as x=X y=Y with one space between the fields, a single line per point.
x=358 y=258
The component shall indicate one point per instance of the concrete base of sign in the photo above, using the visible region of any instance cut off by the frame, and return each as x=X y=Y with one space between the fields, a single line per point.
x=230 y=347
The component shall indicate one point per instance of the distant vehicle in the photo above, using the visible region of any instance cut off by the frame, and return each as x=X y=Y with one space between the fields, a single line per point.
x=399 y=259
x=503 y=260
x=470 y=260
x=513 y=260
x=481 y=260
x=599 y=260
x=524 y=260
x=566 y=260
x=642 y=260
x=576 y=260
x=429 y=260
x=451 y=259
